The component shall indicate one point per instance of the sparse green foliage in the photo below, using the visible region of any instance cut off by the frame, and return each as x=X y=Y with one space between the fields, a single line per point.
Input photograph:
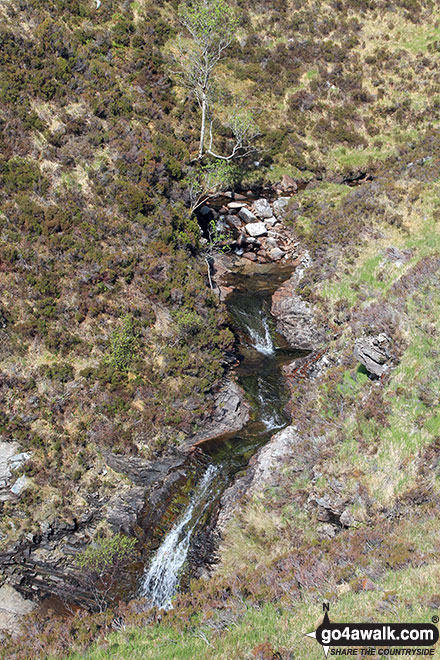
x=205 y=181
x=100 y=557
x=123 y=343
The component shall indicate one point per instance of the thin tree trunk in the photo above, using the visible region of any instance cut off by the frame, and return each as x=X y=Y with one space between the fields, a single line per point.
x=203 y=126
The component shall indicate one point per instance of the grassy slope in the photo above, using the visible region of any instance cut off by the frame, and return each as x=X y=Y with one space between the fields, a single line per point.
x=365 y=94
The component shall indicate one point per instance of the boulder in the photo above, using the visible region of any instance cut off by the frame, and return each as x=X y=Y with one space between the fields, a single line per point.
x=280 y=206
x=12 y=607
x=255 y=229
x=262 y=208
x=231 y=413
x=246 y=215
x=10 y=460
x=296 y=319
x=373 y=353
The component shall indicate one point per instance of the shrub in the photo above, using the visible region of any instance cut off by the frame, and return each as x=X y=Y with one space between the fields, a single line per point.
x=123 y=343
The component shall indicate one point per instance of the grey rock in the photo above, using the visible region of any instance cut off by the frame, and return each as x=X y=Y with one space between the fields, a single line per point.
x=280 y=206
x=346 y=519
x=271 y=242
x=246 y=215
x=270 y=222
x=296 y=319
x=12 y=607
x=20 y=485
x=256 y=229
x=276 y=254
x=262 y=208
x=233 y=221
x=123 y=509
x=231 y=413
x=235 y=206
x=373 y=353
x=7 y=451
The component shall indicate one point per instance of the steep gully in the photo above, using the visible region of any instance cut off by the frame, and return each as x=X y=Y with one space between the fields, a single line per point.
x=262 y=352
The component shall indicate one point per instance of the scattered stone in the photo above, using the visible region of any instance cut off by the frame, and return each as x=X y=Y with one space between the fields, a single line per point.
x=271 y=242
x=288 y=184
x=255 y=229
x=346 y=519
x=250 y=255
x=396 y=256
x=373 y=353
x=20 y=485
x=239 y=198
x=10 y=460
x=262 y=208
x=246 y=215
x=326 y=531
x=270 y=222
x=280 y=206
x=276 y=254
x=236 y=206
x=233 y=221
x=368 y=585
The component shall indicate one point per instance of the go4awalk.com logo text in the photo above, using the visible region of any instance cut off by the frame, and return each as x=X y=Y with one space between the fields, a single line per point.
x=382 y=639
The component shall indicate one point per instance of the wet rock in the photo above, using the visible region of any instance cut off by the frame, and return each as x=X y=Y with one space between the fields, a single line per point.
x=373 y=353
x=296 y=319
x=247 y=216
x=255 y=229
x=280 y=206
x=123 y=510
x=262 y=208
x=231 y=413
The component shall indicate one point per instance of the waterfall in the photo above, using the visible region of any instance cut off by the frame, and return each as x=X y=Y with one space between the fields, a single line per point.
x=260 y=336
x=269 y=415
x=161 y=580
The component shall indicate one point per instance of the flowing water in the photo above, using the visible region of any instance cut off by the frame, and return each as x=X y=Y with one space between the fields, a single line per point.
x=262 y=355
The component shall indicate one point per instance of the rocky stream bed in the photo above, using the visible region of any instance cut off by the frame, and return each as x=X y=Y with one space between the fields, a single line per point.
x=178 y=504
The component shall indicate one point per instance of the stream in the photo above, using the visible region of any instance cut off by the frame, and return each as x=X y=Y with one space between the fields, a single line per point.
x=262 y=353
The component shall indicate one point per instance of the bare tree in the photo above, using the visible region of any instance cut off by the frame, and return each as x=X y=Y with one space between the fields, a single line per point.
x=211 y=25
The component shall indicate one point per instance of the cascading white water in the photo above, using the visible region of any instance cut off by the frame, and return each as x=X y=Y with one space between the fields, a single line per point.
x=268 y=413
x=161 y=580
x=262 y=341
